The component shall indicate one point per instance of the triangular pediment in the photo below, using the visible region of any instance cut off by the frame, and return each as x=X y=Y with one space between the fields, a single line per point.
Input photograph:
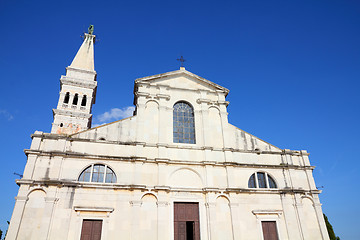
x=182 y=79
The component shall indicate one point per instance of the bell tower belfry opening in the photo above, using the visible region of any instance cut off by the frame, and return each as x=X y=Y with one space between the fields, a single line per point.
x=77 y=91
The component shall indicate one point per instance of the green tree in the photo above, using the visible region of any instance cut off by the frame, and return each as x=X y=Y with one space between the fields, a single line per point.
x=330 y=229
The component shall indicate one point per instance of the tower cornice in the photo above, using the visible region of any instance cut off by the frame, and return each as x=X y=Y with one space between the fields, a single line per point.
x=78 y=82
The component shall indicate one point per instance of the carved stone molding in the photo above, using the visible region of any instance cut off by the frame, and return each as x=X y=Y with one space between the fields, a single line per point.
x=135 y=203
x=258 y=213
x=162 y=203
x=106 y=210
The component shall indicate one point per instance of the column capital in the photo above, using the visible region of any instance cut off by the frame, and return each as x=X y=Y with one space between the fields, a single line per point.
x=21 y=198
x=210 y=204
x=162 y=203
x=135 y=203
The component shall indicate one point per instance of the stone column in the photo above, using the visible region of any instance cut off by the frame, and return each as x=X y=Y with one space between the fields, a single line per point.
x=61 y=100
x=320 y=218
x=47 y=217
x=204 y=119
x=16 y=217
x=139 y=120
x=163 y=218
x=30 y=166
x=299 y=215
x=162 y=173
x=71 y=98
x=235 y=219
x=224 y=123
x=209 y=169
x=163 y=122
x=289 y=217
x=211 y=219
x=135 y=211
x=88 y=105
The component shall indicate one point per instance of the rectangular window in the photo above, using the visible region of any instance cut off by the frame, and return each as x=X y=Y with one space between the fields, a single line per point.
x=269 y=230
x=91 y=230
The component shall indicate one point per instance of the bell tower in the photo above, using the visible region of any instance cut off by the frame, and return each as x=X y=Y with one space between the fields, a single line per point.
x=77 y=91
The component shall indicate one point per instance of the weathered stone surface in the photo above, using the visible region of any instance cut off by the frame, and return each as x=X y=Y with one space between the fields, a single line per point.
x=153 y=172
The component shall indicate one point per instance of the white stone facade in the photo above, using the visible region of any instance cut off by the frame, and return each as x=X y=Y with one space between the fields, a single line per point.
x=153 y=172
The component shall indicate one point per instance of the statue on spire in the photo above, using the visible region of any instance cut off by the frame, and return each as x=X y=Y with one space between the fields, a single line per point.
x=91 y=29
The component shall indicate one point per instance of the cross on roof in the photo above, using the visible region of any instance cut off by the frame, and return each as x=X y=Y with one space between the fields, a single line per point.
x=181 y=60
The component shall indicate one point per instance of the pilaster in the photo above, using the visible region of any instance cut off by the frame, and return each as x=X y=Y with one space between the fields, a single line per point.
x=16 y=217
x=163 y=218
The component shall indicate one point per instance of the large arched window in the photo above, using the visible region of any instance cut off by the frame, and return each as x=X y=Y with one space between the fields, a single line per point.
x=98 y=173
x=261 y=180
x=184 y=125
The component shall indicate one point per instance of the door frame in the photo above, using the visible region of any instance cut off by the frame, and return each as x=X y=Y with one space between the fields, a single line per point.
x=172 y=207
x=276 y=220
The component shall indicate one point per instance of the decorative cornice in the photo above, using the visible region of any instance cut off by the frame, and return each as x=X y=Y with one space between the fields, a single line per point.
x=267 y=212
x=210 y=102
x=94 y=209
x=72 y=113
x=81 y=70
x=162 y=188
x=155 y=160
x=153 y=96
x=91 y=84
x=144 y=188
x=178 y=146
x=162 y=160
x=146 y=80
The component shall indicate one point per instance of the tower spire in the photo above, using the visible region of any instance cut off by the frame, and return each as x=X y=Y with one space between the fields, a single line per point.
x=78 y=91
x=84 y=58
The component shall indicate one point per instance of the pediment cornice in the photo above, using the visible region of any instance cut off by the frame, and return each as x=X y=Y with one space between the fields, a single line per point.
x=181 y=72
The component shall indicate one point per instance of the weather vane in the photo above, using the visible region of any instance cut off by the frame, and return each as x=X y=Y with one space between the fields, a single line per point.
x=181 y=60
x=90 y=32
x=91 y=29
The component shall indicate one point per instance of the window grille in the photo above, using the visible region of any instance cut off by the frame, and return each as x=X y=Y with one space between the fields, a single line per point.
x=98 y=173
x=183 y=123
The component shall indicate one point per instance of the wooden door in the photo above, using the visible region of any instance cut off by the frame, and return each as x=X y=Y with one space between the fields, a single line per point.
x=269 y=230
x=186 y=221
x=91 y=230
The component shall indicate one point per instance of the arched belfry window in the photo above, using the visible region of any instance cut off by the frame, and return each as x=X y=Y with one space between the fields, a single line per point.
x=76 y=98
x=183 y=123
x=67 y=97
x=261 y=180
x=98 y=173
x=83 y=101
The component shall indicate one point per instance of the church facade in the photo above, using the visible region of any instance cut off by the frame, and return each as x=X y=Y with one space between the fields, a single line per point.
x=176 y=169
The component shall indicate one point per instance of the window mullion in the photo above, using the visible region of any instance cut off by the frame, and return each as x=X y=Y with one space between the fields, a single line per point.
x=104 y=173
x=256 y=181
x=91 y=173
x=267 y=181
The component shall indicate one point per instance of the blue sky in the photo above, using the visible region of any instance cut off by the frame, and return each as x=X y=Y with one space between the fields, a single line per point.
x=292 y=68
